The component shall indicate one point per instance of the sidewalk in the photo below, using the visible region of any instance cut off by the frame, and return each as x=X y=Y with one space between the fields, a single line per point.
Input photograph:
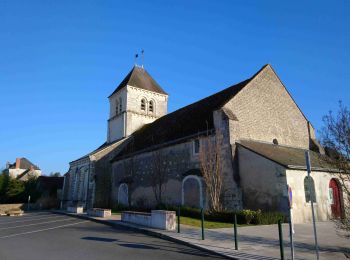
x=254 y=242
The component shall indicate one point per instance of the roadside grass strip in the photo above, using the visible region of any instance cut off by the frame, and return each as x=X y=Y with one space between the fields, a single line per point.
x=41 y=223
x=28 y=220
x=45 y=229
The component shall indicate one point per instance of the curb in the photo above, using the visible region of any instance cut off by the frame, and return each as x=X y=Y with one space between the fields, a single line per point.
x=146 y=232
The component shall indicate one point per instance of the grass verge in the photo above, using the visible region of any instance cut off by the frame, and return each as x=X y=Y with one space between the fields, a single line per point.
x=207 y=224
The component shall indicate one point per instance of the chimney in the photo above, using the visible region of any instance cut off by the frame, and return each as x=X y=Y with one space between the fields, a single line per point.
x=31 y=168
x=18 y=163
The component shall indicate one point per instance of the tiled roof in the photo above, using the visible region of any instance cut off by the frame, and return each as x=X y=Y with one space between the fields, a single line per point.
x=289 y=157
x=187 y=121
x=24 y=164
x=139 y=77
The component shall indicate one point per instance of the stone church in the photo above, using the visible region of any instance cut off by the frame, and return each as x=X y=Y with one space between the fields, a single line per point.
x=264 y=136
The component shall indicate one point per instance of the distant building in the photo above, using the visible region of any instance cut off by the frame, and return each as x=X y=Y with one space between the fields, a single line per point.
x=22 y=169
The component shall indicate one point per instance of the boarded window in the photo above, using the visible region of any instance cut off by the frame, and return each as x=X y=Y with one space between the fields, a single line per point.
x=309 y=187
x=196 y=146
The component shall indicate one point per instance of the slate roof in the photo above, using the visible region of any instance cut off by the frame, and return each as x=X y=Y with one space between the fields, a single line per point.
x=187 y=121
x=289 y=157
x=98 y=149
x=24 y=164
x=139 y=77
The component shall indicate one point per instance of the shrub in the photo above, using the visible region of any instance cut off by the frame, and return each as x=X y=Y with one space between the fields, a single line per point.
x=267 y=218
x=243 y=216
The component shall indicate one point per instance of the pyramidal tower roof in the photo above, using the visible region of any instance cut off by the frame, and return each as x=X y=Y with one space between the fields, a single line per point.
x=140 y=78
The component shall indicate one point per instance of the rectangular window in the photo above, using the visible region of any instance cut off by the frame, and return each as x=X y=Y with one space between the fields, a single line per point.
x=196 y=146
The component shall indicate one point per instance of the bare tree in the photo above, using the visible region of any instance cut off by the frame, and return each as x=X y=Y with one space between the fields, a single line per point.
x=335 y=137
x=158 y=176
x=210 y=158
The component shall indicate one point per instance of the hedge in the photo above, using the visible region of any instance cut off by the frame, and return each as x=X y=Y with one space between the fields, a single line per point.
x=246 y=216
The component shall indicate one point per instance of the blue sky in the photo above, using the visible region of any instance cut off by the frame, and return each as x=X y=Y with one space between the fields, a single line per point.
x=59 y=61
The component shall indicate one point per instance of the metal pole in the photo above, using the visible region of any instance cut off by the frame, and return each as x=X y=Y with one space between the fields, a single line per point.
x=236 y=235
x=28 y=203
x=291 y=234
x=308 y=167
x=178 y=219
x=280 y=234
x=202 y=220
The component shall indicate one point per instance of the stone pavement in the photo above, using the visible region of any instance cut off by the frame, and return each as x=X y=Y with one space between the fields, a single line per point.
x=255 y=242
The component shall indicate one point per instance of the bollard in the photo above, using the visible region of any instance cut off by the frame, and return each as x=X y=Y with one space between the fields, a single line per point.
x=178 y=219
x=280 y=234
x=235 y=229
x=202 y=218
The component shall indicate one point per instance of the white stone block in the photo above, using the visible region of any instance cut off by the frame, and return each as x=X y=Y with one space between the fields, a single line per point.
x=77 y=210
x=102 y=213
x=164 y=219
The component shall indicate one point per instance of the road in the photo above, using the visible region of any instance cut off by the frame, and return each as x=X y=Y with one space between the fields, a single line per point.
x=44 y=235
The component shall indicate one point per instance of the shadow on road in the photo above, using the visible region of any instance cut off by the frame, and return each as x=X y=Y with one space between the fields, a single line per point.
x=100 y=239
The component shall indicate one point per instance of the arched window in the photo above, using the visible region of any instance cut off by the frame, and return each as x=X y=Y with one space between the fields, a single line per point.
x=123 y=194
x=143 y=104
x=151 y=106
x=120 y=105
x=309 y=188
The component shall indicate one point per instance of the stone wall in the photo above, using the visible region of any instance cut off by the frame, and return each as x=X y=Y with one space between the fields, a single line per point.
x=178 y=161
x=301 y=208
x=264 y=111
x=263 y=182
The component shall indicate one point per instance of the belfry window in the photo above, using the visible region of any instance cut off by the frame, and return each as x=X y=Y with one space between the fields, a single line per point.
x=151 y=106
x=120 y=105
x=117 y=107
x=143 y=104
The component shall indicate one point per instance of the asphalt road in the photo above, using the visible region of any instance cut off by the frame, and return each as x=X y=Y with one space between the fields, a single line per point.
x=44 y=235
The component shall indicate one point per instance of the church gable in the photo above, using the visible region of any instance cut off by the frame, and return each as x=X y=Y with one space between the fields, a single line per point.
x=265 y=111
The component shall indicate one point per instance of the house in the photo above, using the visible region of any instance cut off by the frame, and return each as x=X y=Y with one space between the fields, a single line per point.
x=22 y=169
x=263 y=138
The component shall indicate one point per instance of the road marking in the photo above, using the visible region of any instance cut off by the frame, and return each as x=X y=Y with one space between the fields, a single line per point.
x=45 y=229
x=35 y=224
x=27 y=220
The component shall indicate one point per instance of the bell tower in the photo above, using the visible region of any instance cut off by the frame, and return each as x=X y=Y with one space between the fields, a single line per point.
x=138 y=100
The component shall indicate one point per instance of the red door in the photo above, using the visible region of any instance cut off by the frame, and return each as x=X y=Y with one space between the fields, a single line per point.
x=334 y=194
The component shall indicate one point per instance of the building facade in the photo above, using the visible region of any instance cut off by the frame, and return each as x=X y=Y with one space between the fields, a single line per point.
x=156 y=157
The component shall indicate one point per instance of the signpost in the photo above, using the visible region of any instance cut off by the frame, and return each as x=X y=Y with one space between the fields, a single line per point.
x=291 y=225
x=308 y=167
x=28 y=202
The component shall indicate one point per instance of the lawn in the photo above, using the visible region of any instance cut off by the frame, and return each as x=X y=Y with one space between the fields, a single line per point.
x=207 y=224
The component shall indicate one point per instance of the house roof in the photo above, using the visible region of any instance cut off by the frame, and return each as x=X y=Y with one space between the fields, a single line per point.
x=289 y=157
x=24 y=164
x=140 y=78
x=185 y=122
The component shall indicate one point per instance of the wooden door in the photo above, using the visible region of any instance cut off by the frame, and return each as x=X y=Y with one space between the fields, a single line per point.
x=334 y=193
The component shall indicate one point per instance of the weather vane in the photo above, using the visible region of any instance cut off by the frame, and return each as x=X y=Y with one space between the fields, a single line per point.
x=142 y=58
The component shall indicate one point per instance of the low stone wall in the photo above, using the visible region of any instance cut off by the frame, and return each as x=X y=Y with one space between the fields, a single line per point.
x=8 y=207
x=102 y=213
x=139 y=218
x=78 y=210
x=161 y=219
